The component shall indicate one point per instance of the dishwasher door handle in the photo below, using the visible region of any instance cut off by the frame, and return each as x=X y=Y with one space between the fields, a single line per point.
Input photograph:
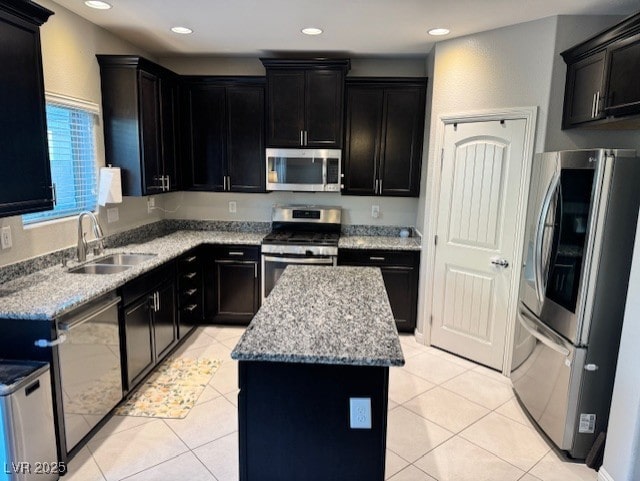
x=96 y=311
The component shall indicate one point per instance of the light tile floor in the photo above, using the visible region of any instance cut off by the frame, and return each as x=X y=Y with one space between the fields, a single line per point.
x=449 y=420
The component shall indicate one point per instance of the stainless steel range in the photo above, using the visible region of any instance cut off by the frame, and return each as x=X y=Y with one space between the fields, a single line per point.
x=301 y=234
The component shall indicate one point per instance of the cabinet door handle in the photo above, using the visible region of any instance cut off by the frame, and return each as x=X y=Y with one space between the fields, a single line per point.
x=593 y=106
x=190 y=259
x=54 y=194
x=375 y=189
x=190 y=292
x=374 y=258
x=168 y=183
x=380 y=186
x=190 y=275
x=306 y=137
x=236 y=253
x=191 y=307
x=302 y=138
x=158 y=301
x=597 y=104
x=255 y=270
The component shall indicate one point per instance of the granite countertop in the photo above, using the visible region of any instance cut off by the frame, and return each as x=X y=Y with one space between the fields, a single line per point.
x=324 y=315
x=380 y=242
x=51 y=292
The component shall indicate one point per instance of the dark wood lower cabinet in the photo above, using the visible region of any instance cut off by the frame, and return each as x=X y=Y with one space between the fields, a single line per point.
x=138 y=340
x=400 y=271
x=232 y=284
x=294 y=422
x=150 y=322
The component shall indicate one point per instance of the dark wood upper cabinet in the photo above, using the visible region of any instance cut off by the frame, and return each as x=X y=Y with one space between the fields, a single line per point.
x=138 y=103
x=24 y=154
x=384 y=136
x=305 y=102
x=584 y=87
x=601 y=89
x=623 y=69
x=222 y=123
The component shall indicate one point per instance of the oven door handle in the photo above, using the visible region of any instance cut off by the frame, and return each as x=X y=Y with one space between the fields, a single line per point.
x=299 y=260
x=99 y=309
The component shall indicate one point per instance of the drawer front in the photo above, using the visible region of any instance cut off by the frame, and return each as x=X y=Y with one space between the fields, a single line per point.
x=378 y=257
x=238 y=253
x=146 y=283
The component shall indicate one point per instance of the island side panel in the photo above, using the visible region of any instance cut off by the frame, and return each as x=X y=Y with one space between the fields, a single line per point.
x=294 y=422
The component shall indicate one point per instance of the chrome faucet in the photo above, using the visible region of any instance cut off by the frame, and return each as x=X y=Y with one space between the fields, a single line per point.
x=82 y=242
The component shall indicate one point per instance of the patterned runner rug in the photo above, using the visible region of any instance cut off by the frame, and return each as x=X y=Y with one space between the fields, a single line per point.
x=172 y=390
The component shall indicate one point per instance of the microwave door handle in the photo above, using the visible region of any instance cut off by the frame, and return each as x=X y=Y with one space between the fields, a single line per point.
x=540 y=228
x=324 y=172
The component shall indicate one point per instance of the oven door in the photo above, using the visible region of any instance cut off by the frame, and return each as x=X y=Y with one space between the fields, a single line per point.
x=274 y=265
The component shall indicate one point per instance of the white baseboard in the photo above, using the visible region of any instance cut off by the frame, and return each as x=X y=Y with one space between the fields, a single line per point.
x=420 y=338
x=604 y=476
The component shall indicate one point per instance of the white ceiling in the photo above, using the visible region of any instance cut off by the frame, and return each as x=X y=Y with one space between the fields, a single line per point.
x=352 y=27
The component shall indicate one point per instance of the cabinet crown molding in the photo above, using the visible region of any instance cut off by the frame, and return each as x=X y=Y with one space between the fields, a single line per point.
x=627 y=27
x=309 y=63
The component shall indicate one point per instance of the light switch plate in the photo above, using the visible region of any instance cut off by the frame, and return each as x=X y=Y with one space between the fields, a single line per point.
x=233 y=208
x=375 y=211
x=151 y=204
x=6 y=237
x=113 y=214
x=360 y=412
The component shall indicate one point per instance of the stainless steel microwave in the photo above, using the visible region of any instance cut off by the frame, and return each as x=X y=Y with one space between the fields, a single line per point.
x=308 y=170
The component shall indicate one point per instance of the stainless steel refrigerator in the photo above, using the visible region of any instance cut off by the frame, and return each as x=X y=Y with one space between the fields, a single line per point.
x=580 y=229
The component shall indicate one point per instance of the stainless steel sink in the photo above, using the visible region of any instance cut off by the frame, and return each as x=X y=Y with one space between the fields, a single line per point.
x=112 y=264
x=99 y=269
x=124 y=259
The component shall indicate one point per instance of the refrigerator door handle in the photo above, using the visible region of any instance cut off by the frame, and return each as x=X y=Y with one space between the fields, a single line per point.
x=537 y=246
x=529 y=325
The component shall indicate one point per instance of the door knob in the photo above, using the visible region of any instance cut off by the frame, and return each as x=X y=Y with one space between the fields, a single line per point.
x=497 y=261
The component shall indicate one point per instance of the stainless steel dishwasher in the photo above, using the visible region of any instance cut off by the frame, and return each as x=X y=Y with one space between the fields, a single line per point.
x=90 y=366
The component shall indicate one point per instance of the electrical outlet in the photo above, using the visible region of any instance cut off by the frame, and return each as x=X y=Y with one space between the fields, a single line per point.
x=113 y=214
x=6 y=237
x=360 y=412
x=375 y=211
x=232 y=206
x=151 y=204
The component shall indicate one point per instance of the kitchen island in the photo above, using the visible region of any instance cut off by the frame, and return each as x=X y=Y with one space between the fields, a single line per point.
x=313 y=376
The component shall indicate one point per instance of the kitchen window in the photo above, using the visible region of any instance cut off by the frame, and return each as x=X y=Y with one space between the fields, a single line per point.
x=71 y=137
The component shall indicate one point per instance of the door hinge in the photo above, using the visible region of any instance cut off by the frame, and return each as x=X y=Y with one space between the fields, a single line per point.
x=441 y=158
x=435 y=240
x=431 y=320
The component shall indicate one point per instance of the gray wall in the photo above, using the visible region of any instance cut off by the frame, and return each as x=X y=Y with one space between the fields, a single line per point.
x=622 y=452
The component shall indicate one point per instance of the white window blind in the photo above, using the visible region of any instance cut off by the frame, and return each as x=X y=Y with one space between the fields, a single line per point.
x=70 y=131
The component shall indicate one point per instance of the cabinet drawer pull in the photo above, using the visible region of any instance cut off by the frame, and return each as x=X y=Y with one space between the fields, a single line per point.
x=375 y=258
x=190 y=275
x=236 y=253
x=190 y=259
x=191 y=307
x=190 y=292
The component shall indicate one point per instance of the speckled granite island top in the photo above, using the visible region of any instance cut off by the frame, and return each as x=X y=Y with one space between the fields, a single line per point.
x=53 y=291
x=324 y=315
x=380 y=242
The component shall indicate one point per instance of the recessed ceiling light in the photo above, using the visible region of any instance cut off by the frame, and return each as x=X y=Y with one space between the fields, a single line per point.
x=181 y=30
x=439 y=31
x=311 y=31
x=97 y=4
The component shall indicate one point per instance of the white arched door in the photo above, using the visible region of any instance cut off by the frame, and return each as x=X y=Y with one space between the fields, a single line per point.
x=482 y=169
